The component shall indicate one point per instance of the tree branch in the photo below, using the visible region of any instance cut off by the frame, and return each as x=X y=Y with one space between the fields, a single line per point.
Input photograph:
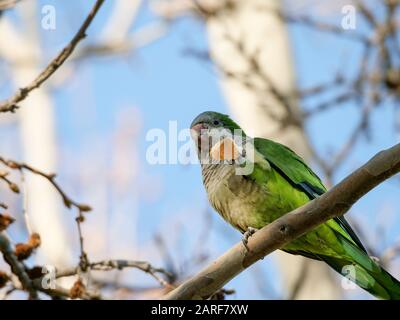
x=10 y=105
x=68 y=202
x=8 y=4
x=333 y=203
x=17 y=267
x=120 y=264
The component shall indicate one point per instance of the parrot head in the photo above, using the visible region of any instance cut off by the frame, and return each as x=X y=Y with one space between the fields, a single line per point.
x=215 y=135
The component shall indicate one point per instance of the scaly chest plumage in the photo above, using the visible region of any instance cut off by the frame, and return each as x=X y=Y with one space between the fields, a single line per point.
x=239 y=199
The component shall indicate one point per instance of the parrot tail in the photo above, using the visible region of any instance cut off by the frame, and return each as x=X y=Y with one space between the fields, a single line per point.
x=361 y=269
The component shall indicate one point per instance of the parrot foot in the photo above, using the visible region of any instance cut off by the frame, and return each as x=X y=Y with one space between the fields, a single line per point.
x=250 y=231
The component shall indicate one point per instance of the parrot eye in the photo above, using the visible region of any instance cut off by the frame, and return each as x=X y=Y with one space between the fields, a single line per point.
x=216 y=122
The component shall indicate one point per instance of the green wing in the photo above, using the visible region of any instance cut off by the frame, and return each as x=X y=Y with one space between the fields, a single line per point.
x=293 y=168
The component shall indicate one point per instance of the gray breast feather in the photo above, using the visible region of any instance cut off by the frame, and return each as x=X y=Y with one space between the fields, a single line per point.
x=233 y=196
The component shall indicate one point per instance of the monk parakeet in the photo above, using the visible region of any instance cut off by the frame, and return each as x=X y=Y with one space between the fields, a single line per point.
x=279 y=181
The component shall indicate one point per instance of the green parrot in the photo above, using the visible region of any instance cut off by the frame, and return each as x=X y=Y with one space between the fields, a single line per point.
x=278 y=183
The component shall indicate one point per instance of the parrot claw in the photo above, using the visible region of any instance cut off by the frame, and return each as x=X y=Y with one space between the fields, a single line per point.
x=250 y=231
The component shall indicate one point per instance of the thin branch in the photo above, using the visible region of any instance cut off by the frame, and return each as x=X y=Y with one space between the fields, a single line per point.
x=304 y=93
x=68 y=202
x=333 y=203
x=366 y=13
x=62 y=293
x=108 y=265
x=11 y=185
x=10 y=105
x=331 y=103
x=141 y=265
x=83 y=257
x=346 y=148
x=322 y=27
x=16 y=266
x=8 y=4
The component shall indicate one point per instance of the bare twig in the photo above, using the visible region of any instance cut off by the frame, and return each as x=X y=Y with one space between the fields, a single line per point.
x=362 y=125
x=8 y=4
x=62 y=293
x=322 y=26
x=10 y=105
x=320 y=88
x=50 y=177
x=83 y=258
x=141 y=265
x=16 y=266
x=366 y=13
x=108 y=265
x=5 y=221
x=11 y=185
x=332 y=103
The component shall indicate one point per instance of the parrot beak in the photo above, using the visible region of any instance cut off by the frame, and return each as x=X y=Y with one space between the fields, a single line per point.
x=196 y=133
x=197 y=128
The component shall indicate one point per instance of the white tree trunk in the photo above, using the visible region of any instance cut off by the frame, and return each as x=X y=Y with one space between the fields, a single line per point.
x=264 y=36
